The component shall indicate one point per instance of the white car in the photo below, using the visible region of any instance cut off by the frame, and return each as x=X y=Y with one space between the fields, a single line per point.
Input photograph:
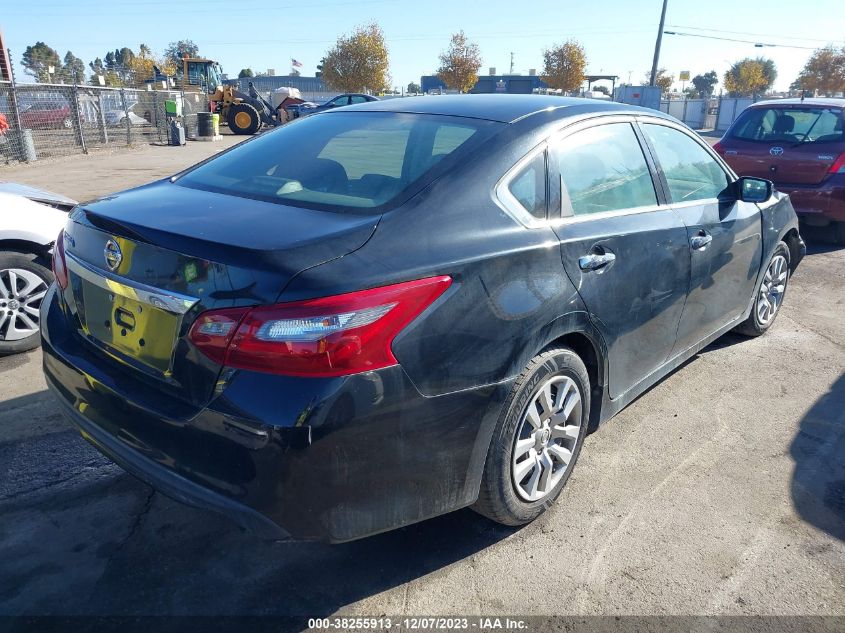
x=30 y=221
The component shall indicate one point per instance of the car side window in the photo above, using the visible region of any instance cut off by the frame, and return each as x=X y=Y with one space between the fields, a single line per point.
x=603 y=169
x=357 y=99
x=690 y=171
x=528 y=186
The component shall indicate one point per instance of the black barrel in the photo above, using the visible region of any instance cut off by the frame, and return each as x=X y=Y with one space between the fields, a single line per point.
x=204 y=125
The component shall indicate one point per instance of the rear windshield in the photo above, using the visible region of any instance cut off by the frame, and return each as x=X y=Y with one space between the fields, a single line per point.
x=356 y=161
x=790 y=125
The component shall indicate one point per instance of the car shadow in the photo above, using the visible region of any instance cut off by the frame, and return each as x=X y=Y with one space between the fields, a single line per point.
x=818 y=483
x=81 y=537
x=819 y=240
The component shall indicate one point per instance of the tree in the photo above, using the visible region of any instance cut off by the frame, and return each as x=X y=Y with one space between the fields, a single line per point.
x=459 y=63
x=175 y=51
x=74 y=69
x=824 y=72
x=319 y=72
x=37 y=60
x=142 y=66
x=563 y=66
x=748 y=77
x=246 y=72
x=414 y=88
x=357 y=62
x=705 y=83
x=662 y=79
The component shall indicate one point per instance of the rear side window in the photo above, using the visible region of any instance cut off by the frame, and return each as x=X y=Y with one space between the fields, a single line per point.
x=790 y=125
x=342 y=160
x=528 y=186
x=603 y=169
x=690 y=171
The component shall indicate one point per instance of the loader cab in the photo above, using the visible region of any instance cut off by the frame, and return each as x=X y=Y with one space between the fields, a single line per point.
x=202 y=75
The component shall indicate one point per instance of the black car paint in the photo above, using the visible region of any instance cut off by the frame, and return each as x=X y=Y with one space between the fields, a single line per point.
x=341 y=458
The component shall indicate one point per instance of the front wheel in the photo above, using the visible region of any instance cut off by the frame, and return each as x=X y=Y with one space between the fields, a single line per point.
x=243 y=119
x=770 y=294
x=23 y=284
x=537 y=439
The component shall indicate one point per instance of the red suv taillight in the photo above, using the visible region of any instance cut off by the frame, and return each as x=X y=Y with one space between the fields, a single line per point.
x=838 y=166
x=59 y=266
x=330 y=336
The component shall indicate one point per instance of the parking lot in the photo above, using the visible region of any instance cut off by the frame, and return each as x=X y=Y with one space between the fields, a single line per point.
x=719 y=491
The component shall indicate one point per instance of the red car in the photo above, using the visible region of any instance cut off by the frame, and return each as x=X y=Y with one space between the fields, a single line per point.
x=800 y=146
x=46 y=115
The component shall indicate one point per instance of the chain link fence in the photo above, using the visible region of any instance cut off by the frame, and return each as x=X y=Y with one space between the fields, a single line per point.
x=47 y=120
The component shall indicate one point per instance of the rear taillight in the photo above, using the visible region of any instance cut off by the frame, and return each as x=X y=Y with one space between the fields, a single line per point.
x=330 y=336
x=59 y=266
x=838 y=166
x=720 y=149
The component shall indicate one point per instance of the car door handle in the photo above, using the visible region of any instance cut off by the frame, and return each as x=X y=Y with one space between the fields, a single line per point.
x=595 y=261
x=699 y=242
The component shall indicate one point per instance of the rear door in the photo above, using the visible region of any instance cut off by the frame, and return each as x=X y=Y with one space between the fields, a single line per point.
x=625 y=252
x=787 y=144
x=724 y=233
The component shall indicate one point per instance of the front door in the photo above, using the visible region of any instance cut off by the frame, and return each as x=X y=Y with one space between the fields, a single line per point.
x=724 y=233
x=626 y=254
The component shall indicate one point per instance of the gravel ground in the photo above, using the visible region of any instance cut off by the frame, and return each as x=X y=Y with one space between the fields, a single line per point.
x=719 y=491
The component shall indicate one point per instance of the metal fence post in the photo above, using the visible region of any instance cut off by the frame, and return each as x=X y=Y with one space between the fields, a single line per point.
x=19 y=148
x=77 y=118
x=684 y=115
x=126 y=116
x=101 y=118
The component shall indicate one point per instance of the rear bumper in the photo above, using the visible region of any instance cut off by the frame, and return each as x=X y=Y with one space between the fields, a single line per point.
x=319 y=459
x=165 y=480
x=825 y=202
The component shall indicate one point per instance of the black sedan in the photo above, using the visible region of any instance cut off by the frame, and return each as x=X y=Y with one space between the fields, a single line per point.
x=337 y=102
x=426 y=309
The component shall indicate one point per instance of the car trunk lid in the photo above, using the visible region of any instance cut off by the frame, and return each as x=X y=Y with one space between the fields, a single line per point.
x=782 y=163
x=143 y=264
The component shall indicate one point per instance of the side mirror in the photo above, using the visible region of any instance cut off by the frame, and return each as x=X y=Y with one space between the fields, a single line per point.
x=754 y=189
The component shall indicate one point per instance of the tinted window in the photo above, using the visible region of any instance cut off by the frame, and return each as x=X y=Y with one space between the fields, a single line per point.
x=357 y=99
x=603 y=169
x=691 y=172
x=340 y=160
x=790 y=125
x=528 y=186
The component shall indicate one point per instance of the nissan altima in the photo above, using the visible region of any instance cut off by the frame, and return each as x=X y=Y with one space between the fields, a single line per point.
x=390 y=311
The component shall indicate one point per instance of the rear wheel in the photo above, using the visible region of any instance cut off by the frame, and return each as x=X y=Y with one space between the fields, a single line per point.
x=243 y=119
x=537 y=439
x=770 y=294
x=23 y=284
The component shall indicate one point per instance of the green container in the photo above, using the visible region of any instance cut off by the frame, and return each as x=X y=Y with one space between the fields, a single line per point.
x=215 y=123
x=173 y=108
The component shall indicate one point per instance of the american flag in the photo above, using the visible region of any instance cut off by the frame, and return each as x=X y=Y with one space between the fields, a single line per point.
x=295 y=63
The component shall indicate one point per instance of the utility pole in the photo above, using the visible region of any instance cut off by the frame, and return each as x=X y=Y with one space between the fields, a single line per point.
x=511 y=63
x=657 y=44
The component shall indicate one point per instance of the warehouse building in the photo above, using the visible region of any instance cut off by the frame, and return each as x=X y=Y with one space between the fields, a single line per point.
x=513 y=84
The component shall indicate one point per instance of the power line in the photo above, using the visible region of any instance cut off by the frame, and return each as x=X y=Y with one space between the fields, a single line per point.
x=766 y=35
x=730 y=39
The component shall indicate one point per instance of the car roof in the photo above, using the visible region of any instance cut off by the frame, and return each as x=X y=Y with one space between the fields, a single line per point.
x=809 y=101
x=505 y=108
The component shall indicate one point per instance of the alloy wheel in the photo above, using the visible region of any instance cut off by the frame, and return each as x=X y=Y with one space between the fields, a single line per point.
x=21 y=292
x=772 y=289
x=546 y=437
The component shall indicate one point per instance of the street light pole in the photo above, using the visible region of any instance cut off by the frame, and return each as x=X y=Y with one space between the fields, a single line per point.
x=657 y=44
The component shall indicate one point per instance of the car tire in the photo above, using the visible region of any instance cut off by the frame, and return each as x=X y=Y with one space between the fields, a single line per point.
x=840 y=232
x=243 y=119
x=509 y=477
x=19 y=304
x=769 y=294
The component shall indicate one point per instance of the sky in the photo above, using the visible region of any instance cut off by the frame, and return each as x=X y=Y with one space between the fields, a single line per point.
x=618 y=35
